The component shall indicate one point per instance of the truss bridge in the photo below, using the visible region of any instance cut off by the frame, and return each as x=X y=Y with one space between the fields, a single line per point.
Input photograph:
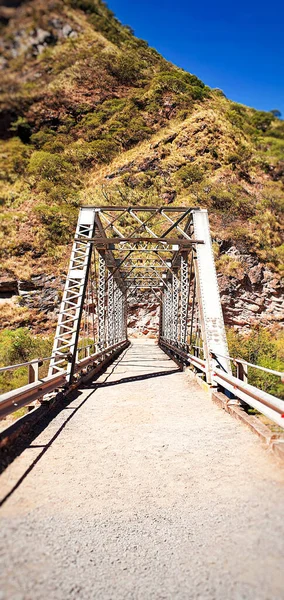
x=123 y=478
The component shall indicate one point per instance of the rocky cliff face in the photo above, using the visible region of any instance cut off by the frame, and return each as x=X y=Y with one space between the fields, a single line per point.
x=252 y=297
x=143 y=317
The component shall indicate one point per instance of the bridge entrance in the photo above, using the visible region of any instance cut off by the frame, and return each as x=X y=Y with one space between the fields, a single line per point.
x=124 y=252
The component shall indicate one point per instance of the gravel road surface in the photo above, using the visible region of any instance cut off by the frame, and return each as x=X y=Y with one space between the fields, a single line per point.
x=143 y=489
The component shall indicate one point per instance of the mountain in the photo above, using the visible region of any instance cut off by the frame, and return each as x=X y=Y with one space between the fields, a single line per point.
x=88 y=112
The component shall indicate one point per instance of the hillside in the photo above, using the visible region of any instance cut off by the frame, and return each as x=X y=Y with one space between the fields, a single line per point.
x=88 y=112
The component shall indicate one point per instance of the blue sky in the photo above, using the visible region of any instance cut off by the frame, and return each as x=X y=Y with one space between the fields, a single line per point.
x=236 y=46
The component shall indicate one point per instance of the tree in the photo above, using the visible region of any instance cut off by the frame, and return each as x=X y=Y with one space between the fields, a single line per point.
x=276 y=113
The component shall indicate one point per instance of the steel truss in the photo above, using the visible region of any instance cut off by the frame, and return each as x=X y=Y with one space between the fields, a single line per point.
x=133 y=250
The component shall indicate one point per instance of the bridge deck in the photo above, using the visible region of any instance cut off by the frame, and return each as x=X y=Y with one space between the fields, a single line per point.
x=143 y=489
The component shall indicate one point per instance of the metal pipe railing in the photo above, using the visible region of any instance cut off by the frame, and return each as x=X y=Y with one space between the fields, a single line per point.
x=244 y=362
x=265 y=403
x=15 y=399
x=25 y=364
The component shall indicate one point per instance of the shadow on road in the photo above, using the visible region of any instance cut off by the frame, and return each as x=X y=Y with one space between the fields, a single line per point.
x=134 y=378
x=25 y=442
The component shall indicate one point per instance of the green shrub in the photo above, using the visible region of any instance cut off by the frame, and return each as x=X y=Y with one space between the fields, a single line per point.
x=127 y=68
x=42 y=137
x=228 y=265
x=58 y=193
x=263 y=348
x=17 y=346
x=235 y=118
x=232 y=200
x=262 y=120
x=190 y=174
x=90 y=124
x=54 y=147
x=53 y=167
x=59 y=221
x=278 y=258
x=197 y=92
x=169 y=82
x=273 y=146
x=14 y=157
x=219 y=92
x=101 y=151
x=128 y=129
x=192 y=80
x=240 y=157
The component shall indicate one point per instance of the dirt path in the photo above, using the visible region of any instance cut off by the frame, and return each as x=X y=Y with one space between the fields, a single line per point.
x=143 y=489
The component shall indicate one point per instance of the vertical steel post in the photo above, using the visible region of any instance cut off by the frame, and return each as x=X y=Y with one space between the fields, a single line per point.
x=175 y=305
x=69 y=318
x=184 y=285
x=110 y=314
x=209 y=303
x=125 y=317
x=161 y=317
x=115 y=310
x=101 y=301
x=169 y=312
x=33 y=372
x=242 y=372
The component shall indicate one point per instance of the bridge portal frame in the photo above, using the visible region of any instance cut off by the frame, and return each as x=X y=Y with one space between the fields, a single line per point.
x=166 y=251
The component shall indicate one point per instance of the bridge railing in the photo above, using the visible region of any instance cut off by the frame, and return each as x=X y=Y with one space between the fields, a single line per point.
x=242 y=367
x=38 y=388
x=235 y=386
x=32 y=368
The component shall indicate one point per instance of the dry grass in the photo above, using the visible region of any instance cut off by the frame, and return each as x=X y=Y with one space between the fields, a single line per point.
x=13 y=315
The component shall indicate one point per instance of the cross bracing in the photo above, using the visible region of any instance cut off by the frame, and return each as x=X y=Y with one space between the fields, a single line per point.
x=121 y=252
x=125 y=253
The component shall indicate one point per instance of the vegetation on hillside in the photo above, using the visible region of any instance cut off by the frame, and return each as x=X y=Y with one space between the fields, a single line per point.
x=85 y=106
x=89 y=114
x=263 y=348
x=20 y=346
x=259 y=347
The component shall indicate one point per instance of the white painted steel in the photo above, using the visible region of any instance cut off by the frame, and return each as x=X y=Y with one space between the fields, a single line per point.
x=211 y=316
x=67 y=330
x=268 y=405
x=184 y=289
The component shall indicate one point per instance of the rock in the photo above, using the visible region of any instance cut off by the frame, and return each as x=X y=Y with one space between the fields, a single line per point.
x=170 y=138
x=66 y=30
x=256 y=274
x=36 y=41
x=42 y=293
x=143 y=316
x=149 y=164
x=256 y=299
x=169 y=196
x=8 y=287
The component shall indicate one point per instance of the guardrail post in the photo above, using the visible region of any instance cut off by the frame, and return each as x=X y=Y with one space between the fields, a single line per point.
x=242 y=371
x=33 y=372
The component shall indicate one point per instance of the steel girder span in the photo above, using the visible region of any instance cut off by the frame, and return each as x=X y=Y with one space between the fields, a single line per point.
x=121 y=251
